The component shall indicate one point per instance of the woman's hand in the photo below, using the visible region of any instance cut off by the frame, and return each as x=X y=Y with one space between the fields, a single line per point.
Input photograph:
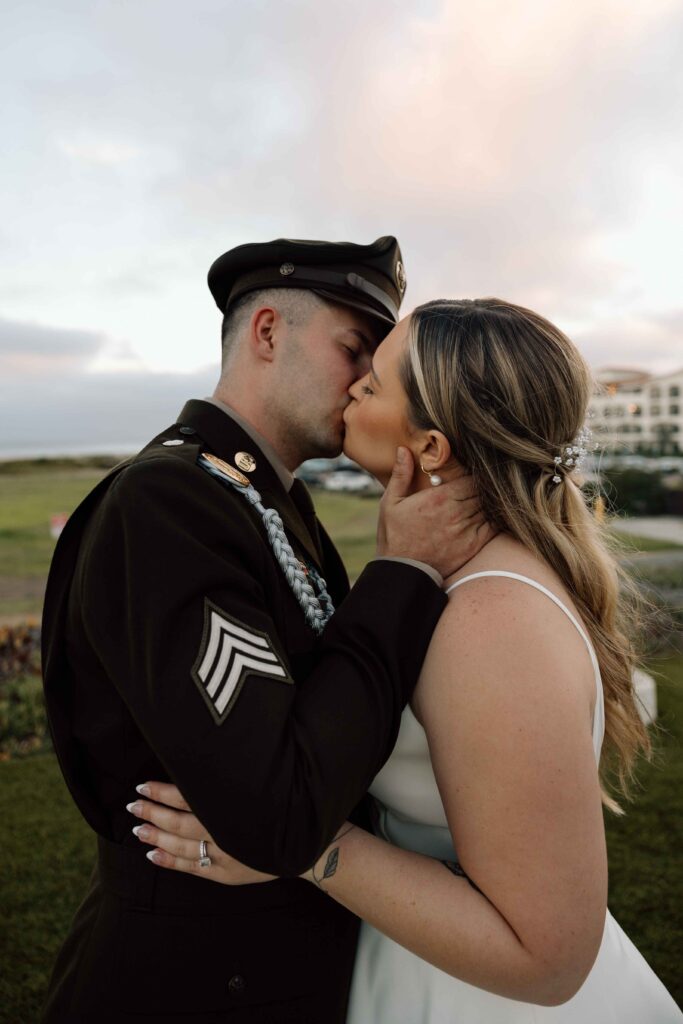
x=176 y=835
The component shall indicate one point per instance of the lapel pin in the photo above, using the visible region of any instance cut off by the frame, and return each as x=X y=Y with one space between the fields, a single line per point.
x=226 y=468
x=245 y=461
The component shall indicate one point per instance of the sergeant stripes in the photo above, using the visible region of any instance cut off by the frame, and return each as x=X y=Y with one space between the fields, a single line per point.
x=229 y=652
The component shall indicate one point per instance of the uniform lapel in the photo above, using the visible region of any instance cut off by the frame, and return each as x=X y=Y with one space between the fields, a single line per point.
x=225 y=438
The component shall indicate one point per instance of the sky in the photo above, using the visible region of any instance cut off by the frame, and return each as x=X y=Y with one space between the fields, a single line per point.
x=521 y=148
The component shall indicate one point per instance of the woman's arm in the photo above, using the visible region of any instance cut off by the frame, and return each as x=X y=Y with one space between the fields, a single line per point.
x=506 y=703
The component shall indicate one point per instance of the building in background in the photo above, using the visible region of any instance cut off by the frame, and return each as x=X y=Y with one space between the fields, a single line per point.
x=638 y=412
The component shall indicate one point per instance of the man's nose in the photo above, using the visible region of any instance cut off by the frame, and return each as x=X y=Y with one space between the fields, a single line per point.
x=364 y=364
x=354 y=390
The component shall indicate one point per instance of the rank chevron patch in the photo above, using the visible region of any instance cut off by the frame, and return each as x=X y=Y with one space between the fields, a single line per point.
x=229 y=652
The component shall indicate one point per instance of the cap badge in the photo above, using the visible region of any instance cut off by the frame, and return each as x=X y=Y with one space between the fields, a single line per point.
x=245 y=461
x=286 y=269
x=401 y=279
x=226 y=468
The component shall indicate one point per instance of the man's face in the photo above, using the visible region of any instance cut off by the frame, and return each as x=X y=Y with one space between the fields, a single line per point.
x=320 y=362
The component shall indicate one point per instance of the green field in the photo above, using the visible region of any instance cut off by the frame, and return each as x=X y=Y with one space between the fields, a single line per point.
x=31 y=495
x=28 y=500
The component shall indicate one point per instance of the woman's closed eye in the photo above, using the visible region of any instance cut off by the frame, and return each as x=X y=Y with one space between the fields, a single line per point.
x=366 y=389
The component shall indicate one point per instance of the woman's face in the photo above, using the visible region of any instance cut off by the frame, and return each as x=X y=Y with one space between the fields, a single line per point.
x=376 y=420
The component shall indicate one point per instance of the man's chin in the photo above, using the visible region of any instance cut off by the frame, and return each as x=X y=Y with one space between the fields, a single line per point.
x=328 y=448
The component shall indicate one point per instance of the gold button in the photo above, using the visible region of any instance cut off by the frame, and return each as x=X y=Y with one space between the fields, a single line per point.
x=245 y=461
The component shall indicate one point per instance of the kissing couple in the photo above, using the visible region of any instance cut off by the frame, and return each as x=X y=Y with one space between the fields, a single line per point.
x=380 y=805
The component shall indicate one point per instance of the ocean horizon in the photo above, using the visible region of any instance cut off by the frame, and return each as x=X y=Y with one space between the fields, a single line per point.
x=66 y=451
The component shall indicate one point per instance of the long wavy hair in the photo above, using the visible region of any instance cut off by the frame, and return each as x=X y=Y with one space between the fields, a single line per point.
x=511 y=392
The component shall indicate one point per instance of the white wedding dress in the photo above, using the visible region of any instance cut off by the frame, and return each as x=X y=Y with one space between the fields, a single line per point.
x=393 y=986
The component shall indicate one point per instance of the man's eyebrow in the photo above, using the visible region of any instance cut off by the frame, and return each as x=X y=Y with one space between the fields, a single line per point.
x=368 y=342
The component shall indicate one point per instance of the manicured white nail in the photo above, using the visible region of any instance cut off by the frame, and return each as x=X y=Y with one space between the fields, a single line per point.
x=151 y=855
x=137 y=829
x=134 y=807
x=143 y=789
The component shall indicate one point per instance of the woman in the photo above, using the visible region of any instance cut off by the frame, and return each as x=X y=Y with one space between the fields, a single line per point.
x=498 y=755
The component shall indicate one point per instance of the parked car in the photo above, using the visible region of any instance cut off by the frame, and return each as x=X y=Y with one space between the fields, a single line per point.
x=314 y=471
x=351 y=481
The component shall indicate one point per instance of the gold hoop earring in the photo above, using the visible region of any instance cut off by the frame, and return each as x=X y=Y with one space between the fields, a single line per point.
x=434 y=478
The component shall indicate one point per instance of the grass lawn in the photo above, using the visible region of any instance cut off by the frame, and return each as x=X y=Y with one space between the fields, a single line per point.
x=632 y=543
x=27 y=501
x=48 y=854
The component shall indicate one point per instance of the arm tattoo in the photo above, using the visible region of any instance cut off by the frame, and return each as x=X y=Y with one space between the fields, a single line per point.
x=332 y=861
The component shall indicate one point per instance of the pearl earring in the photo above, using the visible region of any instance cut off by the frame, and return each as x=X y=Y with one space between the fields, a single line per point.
x=434 y=478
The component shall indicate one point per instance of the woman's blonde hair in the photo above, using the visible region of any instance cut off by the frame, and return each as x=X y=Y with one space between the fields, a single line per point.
x=511 y=392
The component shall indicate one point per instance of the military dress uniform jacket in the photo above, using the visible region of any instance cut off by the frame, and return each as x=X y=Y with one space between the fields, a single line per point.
x=174 y=648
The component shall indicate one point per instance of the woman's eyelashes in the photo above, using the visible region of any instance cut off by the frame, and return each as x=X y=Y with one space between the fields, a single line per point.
x=366 y=390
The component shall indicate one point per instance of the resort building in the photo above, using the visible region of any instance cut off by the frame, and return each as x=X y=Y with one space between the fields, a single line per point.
x=638 y=412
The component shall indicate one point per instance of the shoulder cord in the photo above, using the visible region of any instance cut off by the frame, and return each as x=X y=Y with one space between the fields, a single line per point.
x=310 y=602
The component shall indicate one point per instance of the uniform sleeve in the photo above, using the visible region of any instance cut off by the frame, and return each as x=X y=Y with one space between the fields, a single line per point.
x=176 y=608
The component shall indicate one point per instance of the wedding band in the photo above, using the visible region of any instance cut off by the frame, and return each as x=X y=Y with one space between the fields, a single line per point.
x=204 y=859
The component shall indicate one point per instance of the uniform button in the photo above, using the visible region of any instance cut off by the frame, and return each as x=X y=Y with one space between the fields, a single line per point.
x=172 y=444
x=237 y=984
x=186 y=430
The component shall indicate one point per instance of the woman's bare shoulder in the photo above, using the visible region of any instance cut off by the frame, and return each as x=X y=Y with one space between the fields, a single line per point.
x=499 y=627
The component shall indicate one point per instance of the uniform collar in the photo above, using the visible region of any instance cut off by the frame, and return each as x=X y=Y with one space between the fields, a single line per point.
x=286 y=477
x=226 y=433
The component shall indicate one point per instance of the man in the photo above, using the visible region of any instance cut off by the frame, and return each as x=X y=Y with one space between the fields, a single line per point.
x=183 y=640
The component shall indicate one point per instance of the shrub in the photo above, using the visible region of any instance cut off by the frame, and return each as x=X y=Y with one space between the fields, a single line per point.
x=23 y=723
x=634 y=492
x=19 y=650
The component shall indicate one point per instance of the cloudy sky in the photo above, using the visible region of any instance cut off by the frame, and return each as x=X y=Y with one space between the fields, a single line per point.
x=530 y=149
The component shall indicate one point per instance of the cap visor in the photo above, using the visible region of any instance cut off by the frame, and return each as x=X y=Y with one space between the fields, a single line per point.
x=371 y=311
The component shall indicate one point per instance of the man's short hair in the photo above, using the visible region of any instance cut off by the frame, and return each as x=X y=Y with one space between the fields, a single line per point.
x=295 y=305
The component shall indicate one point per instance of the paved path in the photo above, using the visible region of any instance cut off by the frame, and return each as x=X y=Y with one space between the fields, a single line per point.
x=659 y=528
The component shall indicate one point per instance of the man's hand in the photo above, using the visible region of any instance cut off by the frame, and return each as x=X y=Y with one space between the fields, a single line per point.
x=443 y=526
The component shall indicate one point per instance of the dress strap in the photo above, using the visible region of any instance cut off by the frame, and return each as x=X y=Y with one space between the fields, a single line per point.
x=599 y=713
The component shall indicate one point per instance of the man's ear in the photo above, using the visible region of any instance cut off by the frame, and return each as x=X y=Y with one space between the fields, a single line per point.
x=433 y=451
x=262 y=333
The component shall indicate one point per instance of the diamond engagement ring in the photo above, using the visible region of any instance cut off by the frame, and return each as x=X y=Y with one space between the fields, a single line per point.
x=204 y=859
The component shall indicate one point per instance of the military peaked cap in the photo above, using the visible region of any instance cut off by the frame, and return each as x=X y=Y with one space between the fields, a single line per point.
x=367 y=277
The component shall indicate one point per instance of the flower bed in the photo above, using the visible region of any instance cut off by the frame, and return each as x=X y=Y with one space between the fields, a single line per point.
x=23 y=724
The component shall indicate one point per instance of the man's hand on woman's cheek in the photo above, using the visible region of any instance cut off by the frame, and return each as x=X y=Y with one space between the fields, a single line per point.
x=443 y=526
